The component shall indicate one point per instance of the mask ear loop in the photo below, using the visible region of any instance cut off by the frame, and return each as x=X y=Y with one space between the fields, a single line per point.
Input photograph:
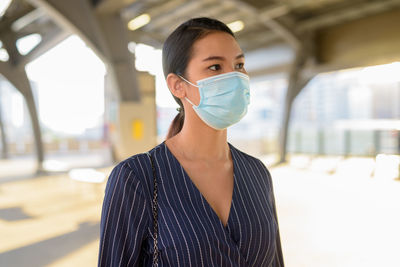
x=190 y=84
x=187 y=81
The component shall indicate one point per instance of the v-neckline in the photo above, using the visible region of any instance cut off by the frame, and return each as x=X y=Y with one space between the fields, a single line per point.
x=202 y=196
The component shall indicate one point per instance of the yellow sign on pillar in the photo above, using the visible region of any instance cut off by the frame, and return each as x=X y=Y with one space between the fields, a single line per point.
x=137 y=129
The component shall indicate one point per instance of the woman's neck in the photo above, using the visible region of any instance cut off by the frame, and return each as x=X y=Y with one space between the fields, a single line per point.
x=200 y=142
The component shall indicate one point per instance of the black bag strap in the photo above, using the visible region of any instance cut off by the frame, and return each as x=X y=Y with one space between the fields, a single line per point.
x=155 y=212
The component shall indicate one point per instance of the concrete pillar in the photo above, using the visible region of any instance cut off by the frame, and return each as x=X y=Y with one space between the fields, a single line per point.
x=20 y=81
x=120 y=63
x=15 y=73
x=133 y=127
x=321 y=141
x=296 y=83
x=4 y=147
x=347 y=142
x=377 y=142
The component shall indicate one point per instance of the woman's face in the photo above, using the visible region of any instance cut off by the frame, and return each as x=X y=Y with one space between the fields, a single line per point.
x=214 y=54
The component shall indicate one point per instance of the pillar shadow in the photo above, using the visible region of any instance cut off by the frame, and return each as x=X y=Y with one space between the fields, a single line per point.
x=47 y=251
x=13 y=214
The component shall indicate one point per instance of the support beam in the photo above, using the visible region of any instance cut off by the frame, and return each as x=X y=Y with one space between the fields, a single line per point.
x=166 y=14
x=112 y=6
x=149 y=38
x=76 y=16
x=49 y=40
x=24 y=21
x=268 y=18
x=18 y=78
x=9 y=39
x=283 y=31
x=4 y=147
x=121 y=62
x=294 y=88
x=7 y=21
x=297 y=80
x=15 y=73
x=366 y=10
x=30 y=102
x=348 y=44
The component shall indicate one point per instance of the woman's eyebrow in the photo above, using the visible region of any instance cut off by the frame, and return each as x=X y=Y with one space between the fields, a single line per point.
x=221 y=58
x=213 y=58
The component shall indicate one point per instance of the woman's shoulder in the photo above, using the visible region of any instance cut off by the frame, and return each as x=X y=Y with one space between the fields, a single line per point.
x=138 y=161
x=136 y=167
x=255 y=164
x=250 y=159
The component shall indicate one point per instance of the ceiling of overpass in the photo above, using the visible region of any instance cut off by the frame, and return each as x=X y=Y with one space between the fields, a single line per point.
x=265 y=22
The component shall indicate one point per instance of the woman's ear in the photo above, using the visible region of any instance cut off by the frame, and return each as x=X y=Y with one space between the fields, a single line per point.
x=176 y=85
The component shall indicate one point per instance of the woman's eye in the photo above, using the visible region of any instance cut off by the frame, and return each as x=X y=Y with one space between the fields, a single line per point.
x=240 y=65
x=215 y=67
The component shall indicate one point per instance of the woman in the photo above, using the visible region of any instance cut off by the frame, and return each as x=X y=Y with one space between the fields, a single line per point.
x=216 y=205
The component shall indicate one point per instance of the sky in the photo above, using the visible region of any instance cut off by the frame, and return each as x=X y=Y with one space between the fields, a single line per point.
x=70 y=83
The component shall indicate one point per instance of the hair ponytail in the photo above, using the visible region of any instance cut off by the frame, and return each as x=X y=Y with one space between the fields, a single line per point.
x=176 y=53
x=177 y=124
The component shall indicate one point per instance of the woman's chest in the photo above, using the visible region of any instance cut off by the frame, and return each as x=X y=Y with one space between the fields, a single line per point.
x=215 y=184
x=186 y=217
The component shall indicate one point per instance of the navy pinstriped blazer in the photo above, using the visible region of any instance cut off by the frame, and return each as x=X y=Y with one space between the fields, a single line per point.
x=190 y=232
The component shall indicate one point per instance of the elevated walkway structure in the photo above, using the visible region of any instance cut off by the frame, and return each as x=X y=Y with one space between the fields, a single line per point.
x=322 y=36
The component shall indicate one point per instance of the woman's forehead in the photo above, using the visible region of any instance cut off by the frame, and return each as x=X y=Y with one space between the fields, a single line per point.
x=216 y=44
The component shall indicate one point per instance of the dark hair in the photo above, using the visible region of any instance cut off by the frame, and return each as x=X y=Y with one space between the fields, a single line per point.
x=177 y=51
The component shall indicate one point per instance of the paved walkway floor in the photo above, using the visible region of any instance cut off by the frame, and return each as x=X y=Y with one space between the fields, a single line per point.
x=342 y=218
x=339 y=220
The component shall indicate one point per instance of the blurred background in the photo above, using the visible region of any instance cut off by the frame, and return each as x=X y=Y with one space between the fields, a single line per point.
x=82 y=88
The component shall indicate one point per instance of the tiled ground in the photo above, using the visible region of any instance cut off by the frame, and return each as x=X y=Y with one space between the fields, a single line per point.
x=327 y=218
x=49 y=221
x=339 y=220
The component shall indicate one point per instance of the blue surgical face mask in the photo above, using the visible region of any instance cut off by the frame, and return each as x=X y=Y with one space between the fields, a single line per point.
x=223 y=99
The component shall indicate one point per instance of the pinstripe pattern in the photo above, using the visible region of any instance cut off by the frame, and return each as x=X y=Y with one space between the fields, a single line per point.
x=190 y=232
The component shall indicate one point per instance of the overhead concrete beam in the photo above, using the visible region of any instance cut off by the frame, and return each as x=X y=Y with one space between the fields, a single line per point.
x=112 y=6
x=139 y=34
x=27 y=19
x=258 y=41
x=367 y=9
x=9 y=39
x=49 y=40
x=167 y=19
x=268 y=18
x=76 y=16
x=6 y=22
x=368 y=41
x=157 y=13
